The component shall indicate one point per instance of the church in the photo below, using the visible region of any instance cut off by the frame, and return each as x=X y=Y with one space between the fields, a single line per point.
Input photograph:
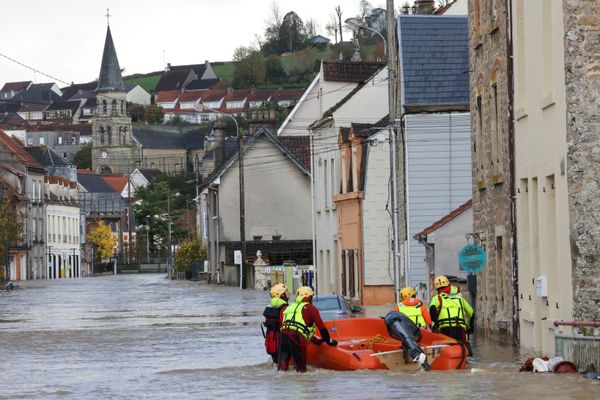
x=118 y=147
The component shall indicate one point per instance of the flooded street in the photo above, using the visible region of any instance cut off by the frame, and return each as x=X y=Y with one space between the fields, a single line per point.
x=142 y=336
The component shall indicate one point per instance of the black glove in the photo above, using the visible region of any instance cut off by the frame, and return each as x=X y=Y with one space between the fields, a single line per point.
x=325 y=334
x=332 y=342
x=317 y=341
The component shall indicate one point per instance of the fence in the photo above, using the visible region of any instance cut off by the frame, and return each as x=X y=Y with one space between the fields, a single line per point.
x=582 y=347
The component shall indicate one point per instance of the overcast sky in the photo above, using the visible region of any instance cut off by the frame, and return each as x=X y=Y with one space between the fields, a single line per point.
x=65 y=38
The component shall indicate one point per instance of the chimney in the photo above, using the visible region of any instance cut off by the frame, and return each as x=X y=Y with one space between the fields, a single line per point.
x=219 y=145
x=168 y=67
x=424 y=7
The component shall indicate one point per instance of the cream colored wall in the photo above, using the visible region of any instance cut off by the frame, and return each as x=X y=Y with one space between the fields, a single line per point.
x=540 y=141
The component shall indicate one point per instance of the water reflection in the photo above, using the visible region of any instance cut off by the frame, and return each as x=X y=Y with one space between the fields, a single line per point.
x=141 y=336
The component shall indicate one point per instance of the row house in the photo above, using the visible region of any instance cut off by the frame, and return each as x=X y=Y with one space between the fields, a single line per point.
x=10 y=89
x=187 y=77
x=28 y=259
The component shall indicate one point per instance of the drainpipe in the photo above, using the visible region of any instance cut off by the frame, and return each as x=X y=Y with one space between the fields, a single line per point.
x=312 y=208
x=512 y=177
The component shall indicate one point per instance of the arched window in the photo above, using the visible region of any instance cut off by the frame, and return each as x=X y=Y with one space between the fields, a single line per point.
x=104 y=107
x=122 y=107
x=113 y=106
x=109 y=131
x=101 y=135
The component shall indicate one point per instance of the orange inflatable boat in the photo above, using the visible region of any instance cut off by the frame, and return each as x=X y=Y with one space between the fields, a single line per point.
x=365 y=343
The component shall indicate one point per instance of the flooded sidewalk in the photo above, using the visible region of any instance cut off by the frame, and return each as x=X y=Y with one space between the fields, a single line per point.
x=142 y=336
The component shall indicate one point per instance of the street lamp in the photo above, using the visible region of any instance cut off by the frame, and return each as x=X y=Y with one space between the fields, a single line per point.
x=148 y=239
x=355 y=23
x=241 y=182
x=169 y=256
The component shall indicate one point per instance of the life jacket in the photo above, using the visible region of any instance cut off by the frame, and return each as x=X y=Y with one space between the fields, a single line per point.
x=293 y=319
x=272 y=313
x=451 y=313
x=413 y=312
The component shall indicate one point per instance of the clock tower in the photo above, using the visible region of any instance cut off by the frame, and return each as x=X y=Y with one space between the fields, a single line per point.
x=112 y=146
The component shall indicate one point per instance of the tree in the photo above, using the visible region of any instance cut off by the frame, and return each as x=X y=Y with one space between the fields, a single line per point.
x=332 y=27
x=11 y=227
x=154 y=115
x=338 y=14
x=365 y=8
x=135 y=111
x=270 y=45
x=189 y=252
x=83 y=158
x=292 y=33
x=250 y=71
x=103 y=240
x=275 y=73
x=312 y=27
x=241 y=52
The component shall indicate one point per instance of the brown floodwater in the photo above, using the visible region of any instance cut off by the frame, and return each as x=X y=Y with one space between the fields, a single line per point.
x=142 y=336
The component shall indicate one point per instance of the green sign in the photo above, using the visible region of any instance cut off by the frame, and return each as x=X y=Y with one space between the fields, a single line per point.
x=472 y=258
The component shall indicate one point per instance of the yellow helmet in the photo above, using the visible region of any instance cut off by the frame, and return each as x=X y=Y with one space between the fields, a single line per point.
x=278 y=290
x=440 y=282
x=408 y=292
x=305 y=291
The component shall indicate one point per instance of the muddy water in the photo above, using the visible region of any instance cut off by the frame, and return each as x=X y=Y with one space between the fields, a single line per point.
x=141 y=336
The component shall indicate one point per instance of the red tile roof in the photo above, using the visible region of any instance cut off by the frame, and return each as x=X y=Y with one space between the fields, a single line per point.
x=168 y=96
x=299 y=146
x=445 y=219
x=117 y=182
x=237 y=95
x=260 y=95
x=15 y=147
x=288 y=94
x=190 y=96
x=213 y=95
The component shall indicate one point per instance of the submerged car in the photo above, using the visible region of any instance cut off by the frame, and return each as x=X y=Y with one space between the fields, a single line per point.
x=334 y=306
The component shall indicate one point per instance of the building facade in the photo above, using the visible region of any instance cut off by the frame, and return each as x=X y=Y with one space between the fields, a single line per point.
x=493 y=186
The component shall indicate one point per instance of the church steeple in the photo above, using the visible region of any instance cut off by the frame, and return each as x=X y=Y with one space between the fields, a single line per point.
x=110 y=79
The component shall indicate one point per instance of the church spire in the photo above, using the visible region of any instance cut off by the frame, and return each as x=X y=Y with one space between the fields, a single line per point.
x=110 y=79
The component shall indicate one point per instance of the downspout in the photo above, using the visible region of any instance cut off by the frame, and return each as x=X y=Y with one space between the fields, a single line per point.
x=218 y=237
x=312 y=209
x=512 y=177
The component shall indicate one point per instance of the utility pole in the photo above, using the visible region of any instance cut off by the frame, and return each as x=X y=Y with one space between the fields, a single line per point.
x=242 y=206
x=391 y=61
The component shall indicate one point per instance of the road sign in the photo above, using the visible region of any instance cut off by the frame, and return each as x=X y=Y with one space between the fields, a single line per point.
x=237 y=257
x=472 y=258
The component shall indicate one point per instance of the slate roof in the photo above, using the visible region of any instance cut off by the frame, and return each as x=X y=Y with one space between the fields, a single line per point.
x=64 y=105
x=32 y=107
x=16 y=86
x=160 y=139
x=202 y=84
x=38 y=92
x=94 y=183
x=110 y=78
x=172 y=80
x=46 y=156
x=350 y=71
x=199 y=69
x=150 y=174
x=9 y=106
x=434 y=60
x=445 y=219
x=77 y=89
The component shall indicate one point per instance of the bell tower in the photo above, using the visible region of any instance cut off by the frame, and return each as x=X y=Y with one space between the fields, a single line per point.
x=112 y=145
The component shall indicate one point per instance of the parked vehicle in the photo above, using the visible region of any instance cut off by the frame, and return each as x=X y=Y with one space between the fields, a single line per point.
x=334 y=306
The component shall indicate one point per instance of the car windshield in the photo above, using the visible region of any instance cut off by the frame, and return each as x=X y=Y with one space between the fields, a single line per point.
x=327 y=303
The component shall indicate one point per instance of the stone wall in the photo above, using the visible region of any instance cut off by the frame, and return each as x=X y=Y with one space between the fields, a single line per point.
x=582 y=69
x=491 y=169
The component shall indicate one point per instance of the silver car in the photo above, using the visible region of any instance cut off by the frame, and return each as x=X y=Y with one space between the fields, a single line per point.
x=334 y=306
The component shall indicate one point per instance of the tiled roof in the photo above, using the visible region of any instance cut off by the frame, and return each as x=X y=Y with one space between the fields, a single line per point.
x=31 y=107
x=15 y=86
x=434 y=60
x=202 y=84
x=150 y=174
x=350 y=71
x=38 y=92
x=12 y=119
x=188 y=96
x=445 y=219
x=172 y=80
x=167 y=96
x=213 y=95
x=9 y=106
x=75 y=88
x=260 y=95
x=117 y=182
x=110 y=73
x=299 y=146
x=198 y=69
x=288 y=94
x=15 y=147
x=94 y=183
x=237 y=95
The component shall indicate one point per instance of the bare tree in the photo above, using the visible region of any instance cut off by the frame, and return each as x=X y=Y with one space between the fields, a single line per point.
x=338 y=13
x=365 y=9
x=332 y=27
x=312 y=27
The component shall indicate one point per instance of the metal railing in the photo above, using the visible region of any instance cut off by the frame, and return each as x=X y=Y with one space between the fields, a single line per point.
x=582 y=345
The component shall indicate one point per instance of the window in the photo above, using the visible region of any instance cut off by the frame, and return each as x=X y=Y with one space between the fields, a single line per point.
x=101 y=135
x=325 y=185
x=109 y=134
x=500 y=267
x=104 y=107
x=495 y=125
x=60 y=140
x=479 y=142
x=42 y=141
x=113 y=106
x=29 y=141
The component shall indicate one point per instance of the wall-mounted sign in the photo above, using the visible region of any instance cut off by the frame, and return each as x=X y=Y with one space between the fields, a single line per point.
x=472 y=258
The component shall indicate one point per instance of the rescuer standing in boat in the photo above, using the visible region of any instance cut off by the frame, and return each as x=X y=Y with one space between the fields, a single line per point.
x=450 y=312
x=413 y=308
x=298 y=325
x=279 y=300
